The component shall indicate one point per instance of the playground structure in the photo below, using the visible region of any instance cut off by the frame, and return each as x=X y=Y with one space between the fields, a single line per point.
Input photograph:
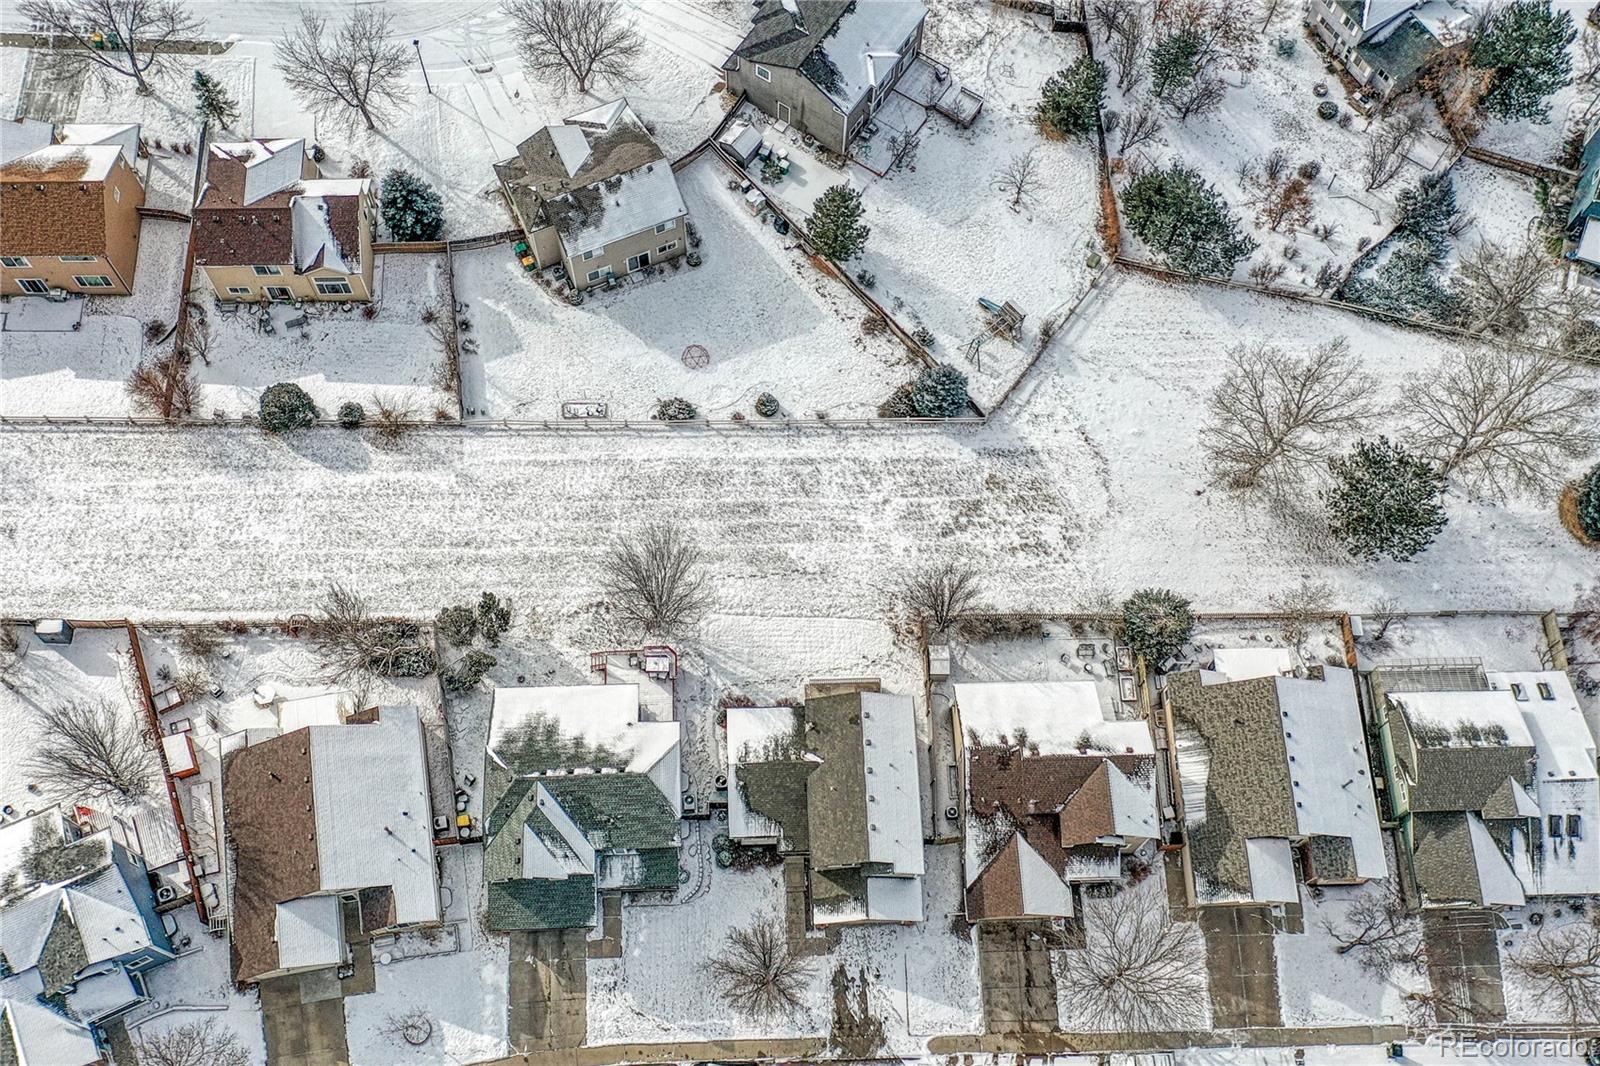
x=1004 y=320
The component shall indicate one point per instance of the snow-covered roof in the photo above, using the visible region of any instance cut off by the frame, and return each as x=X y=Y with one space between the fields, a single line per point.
x=1055 y=715
x=647 y=197
x=1375 y=13
x=1443 y=20
x=40 y=1035
x=1465 y=715
x=603 y=716
x=125 y=135
x=314 y=243
x=894 y=899
x=894 y=797
x=750 y=731
x=1239 y=664
x=1588 y=248
x=324 y=708
x=1272 y=877
x=374 y=824
x=1043 y=890
x=572 y=147
x=865 y=46
x=310 y=933
x=107 y=917
x=1327 y=748
x=268 y=165
x=742 y=139
x=19 y=137
x=1497 y=884
x=104 y=993
x=1561 y=737
x=65 y=162
x=559 y=852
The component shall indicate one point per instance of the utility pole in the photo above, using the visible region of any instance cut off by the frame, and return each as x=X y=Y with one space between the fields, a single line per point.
x=417 y=44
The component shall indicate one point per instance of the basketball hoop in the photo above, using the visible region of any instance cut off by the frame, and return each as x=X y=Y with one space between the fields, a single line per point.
x=696 y=357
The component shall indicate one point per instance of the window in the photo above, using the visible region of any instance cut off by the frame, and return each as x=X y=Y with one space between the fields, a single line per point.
x=80 y=258
x=239 y=290
x=1519 y=691
x=33 y=285
x=665 y=248
x=267 y=272
x=596 y=275
x=13 y=260
x=1575 y=826
x=1545 y=691
x=591 y=254
x=333 y=287
x=1555 y=826
x=763 y=73
x=637 y=262
x=141 y=961
x=116 y=194
x=670 y=224
x=92 y=281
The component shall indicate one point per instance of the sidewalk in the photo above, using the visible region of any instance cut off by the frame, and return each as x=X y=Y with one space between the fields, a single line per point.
x=1064 y=1043
x=683 y=1051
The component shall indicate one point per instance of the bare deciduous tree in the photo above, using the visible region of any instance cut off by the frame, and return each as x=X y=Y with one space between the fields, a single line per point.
x=1457 y=87
x=352 y=69
x=1379 y=931
x=162 y=386
x=12 y=650
x=1020 y=177
x=413 y=1028
x=1385 y=149
x=1502 y=420
x=941 y=594
x=1199 y=97
x=95 y=751
x=576 y=40
x=200 y=642
x=1141 y=126
x=758 y=975
x=1508 y=291
x=1126 y=26
x=1385 y=613
x=655 y=578
x=133 y=38
x=1275 y=416
x=1563 y=968
x=1299 y=606
x=354 y=646
x=1223 y=37
x=1139 y=971
x=192 y=1044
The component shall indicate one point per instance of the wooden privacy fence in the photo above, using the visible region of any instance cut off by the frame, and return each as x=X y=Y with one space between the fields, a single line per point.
x=577 y=425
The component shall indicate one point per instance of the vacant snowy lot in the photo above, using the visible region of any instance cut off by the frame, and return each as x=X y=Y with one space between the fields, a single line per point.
x=771 y=321
x=339 y=355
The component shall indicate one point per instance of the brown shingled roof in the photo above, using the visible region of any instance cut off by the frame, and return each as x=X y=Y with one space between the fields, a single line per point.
x=267 y=800
x=51 y=217
x=227 y=232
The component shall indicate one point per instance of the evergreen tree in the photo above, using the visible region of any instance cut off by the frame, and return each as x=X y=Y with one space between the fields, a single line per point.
x=1384 y=501
x=1071 y=99
x=835 y=224
x=411 y=207
x=212 y=102
x=1174 y=63
x=940 y=392
x=1409 y=280
x=1183 y=219
x=1424 y=211
x=286 y=406
x=1589 y=503
x=1155 y=624
x=1524 y=45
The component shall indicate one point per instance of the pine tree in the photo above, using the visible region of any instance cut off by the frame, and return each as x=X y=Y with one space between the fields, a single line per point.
x=1424 y=211
x=835 y=224
x=412 y=208
x=1156 y=623
x=286 y=406
x=1174 y=63
x=1524 y=45
x=1384 y=501
x=1071 y=99
x=1589 y=503
x=212 y=102
x=1184 y=220
x=940 y=392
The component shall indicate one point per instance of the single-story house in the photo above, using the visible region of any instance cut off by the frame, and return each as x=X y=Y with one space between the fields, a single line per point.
x=825 y=66
x=583 y=794
x=267 y=226
x=835 y=780
x=78 y=932
x=596 y=195
x=1386 y=44
x=1273 y=778
x=69 y=208
x=1057 y=794
x=332 y=835
x=1492 y=777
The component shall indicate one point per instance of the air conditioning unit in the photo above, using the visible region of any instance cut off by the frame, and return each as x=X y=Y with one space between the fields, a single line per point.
x=952 y=812
x=166 y=894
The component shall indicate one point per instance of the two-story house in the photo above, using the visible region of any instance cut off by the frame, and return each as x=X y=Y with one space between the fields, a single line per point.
x=267 y=226
x=1385 y=44
x=825 y=66
x=69 y=208
x=595 y=195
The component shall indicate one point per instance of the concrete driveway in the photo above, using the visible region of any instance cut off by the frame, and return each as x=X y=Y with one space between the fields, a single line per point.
x=548 y=1008
x=303 y=1015
x=1018 y=985
x=1464 y=965
x=1242 y=964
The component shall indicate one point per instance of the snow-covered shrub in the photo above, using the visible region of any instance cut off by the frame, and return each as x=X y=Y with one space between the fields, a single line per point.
x=940 y=392
x=465 y=673
x=1286 y=46
x=1156 y=623
x=1589 y=503
x=1327 y=111
x=286 y=406
x=1384 y=501
x=675 y=409
x=412 y=208
x=923 y=336
x=767 y=405
x=1070 y=100
x=900 y=403
x=351 y=414
x=457 y=624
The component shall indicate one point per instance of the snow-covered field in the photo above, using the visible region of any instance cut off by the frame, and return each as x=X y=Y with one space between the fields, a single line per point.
x=770 y=319
x=342 y=356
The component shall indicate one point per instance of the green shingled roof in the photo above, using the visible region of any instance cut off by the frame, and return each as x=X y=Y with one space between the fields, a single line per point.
x=616 y=811
x=1402 y=52
x=542 y=904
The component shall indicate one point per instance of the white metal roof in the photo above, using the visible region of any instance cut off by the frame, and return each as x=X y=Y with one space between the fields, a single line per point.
x=310 y=932
x=374 y=823
x=894 y=792
x=1055 y=714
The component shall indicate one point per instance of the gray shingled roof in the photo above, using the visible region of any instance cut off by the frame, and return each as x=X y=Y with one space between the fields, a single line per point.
x=836 y=793
x=1445 y=867
x=777 y=39
x=1402 y=52
x=1464 y=779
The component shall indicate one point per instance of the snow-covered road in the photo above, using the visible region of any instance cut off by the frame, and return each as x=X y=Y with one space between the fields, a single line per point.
x=687 y=30
x=1093 y=481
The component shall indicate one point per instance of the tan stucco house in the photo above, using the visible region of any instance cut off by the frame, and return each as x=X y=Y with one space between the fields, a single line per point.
x=268 y=227
x=595 y=194
x=69 y=208
x=825 y=66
